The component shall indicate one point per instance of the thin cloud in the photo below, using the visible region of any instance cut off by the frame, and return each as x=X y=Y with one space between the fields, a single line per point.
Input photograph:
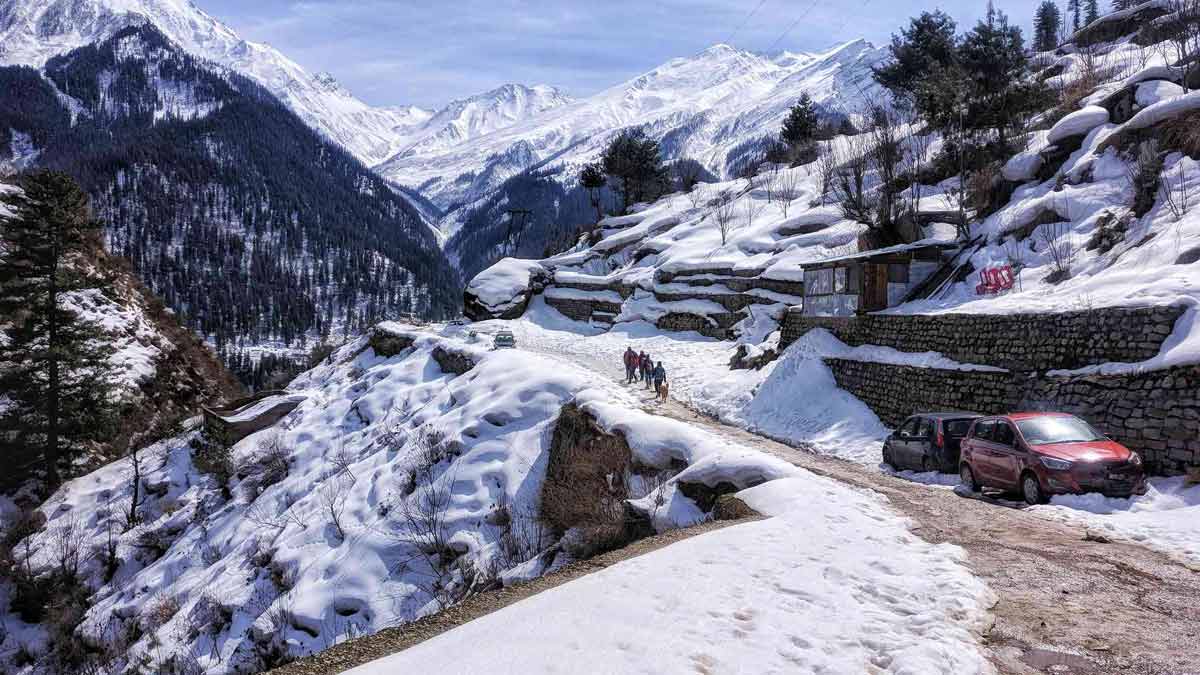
x=404 y=52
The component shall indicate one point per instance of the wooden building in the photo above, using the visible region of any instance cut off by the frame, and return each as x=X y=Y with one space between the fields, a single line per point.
x=872 y=280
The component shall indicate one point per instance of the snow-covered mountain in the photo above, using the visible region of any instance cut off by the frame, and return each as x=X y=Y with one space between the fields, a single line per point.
x=33 y=31
x=710 y=107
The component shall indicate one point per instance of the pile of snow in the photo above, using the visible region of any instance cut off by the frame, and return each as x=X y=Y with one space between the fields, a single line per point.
x=1166 y=518
x=832 y=582
x=1078 y=123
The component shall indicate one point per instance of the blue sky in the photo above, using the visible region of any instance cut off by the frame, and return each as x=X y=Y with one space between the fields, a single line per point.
x=398 y=52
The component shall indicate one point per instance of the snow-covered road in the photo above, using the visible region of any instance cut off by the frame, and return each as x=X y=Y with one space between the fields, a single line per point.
x=832 y=582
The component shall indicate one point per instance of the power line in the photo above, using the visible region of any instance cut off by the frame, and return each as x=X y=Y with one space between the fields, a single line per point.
x=794 y=24
x=745 y=21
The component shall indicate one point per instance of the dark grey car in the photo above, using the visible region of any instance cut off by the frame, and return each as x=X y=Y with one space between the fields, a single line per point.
x=928 y=441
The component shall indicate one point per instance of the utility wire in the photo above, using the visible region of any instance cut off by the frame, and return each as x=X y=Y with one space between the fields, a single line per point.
x=793 y=26
x=729 y=40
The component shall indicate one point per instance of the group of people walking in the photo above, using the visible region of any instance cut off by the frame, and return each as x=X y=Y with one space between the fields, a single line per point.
x=640 y=367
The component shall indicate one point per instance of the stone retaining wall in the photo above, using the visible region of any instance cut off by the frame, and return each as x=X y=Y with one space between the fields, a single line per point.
x=1026 y=342
x=1156 y=413
x=584 y=310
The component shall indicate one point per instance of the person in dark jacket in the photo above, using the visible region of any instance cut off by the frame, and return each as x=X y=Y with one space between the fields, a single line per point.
x=660 y=375
x=647 y=369
x=632 y=363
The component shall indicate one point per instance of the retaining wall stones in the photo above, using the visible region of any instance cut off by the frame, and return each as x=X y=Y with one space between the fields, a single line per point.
x=1024 y=342
x=1156 y=413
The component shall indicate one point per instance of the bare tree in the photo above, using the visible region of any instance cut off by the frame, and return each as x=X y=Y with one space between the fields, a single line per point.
x=724 y=213
x=1059 y=240
x=135 y=465
x=754 y=207
x=1180 y=32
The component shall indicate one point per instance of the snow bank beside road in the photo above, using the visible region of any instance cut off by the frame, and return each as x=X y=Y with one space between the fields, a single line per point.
x=1166 y=518
x=832 y=582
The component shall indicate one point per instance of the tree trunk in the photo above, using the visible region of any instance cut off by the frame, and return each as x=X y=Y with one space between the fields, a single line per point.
x=51 y=452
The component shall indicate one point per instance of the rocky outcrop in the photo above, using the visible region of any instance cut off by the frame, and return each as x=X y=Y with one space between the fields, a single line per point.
x=453 y=361
x=387 y=341
x=503 y=291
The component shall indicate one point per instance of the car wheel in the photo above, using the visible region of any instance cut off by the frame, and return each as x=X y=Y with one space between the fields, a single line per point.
x=1032 y=490
x=968 y=478
x=887 y=457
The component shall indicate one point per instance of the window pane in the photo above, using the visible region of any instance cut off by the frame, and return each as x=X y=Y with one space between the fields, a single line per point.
x=1041 y=430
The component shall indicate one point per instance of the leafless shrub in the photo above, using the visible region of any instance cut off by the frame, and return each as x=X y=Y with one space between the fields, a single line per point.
x=159 y=612
x=695 y=196
x=724 y=213
x=266 y=515
x=1059 y=241
x=754 y=207
x=333 y=493
x=523 y=533
x=785 y=188
x=66 y=548
x=268 y=465
x=1175 y=193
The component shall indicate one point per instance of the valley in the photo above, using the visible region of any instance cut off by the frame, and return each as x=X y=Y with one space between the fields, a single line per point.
x=825 y=360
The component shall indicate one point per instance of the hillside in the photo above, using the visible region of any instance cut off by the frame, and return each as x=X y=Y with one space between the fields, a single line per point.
x=164 y=373
x=245 y=221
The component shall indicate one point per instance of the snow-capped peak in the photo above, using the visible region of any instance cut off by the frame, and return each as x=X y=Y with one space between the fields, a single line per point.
x=33 y=31
x=708 y=106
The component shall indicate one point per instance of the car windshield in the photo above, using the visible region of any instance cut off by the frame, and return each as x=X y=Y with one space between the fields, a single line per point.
x=1043 y=430
x=957 y=428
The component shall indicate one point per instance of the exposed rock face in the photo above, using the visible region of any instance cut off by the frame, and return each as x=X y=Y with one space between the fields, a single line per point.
x=459 y=363
x=387 y=342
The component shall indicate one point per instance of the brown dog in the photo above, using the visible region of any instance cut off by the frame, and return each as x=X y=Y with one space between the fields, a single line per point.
x=664 y=392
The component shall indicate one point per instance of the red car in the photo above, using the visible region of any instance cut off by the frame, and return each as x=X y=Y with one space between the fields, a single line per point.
x=1044 y=454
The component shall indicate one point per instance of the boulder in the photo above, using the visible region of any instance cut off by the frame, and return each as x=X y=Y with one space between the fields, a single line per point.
x=503 y=291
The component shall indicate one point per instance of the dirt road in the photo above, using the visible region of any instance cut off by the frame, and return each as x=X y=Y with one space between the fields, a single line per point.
x=1067 y=605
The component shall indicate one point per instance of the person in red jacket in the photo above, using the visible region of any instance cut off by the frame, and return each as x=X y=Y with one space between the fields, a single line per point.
x=632 y=362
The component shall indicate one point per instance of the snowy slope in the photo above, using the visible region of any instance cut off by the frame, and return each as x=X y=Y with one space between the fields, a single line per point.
x=832 y=583
x=702 y=107
x=33 y=31
x=314 y=540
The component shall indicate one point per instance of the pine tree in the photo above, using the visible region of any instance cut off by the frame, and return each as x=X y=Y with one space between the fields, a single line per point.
x=927 y=45
x=1046 y=25
x=56 y=370
x=993 y=58
x=635 y=162
x=800 y=124
x=1073 y=10
x=1121 y=5
x=592 y=178
x=1091 y=12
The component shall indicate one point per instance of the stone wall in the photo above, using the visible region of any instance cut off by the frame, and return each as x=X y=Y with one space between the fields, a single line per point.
x=1156 y=413
x=1025 y=342
x=584 y=310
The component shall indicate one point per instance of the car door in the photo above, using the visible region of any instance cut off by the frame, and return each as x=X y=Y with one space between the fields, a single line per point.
x=908 y=434
x=920 y=445
x=1007 y=455
x=982 y=453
